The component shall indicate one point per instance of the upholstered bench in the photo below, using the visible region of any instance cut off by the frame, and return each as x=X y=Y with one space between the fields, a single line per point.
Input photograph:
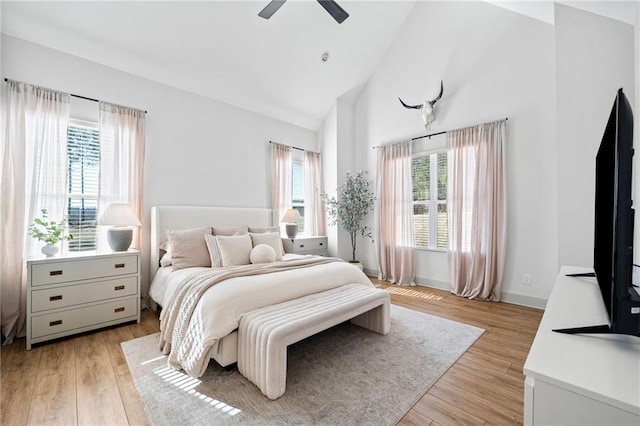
x=264 y=334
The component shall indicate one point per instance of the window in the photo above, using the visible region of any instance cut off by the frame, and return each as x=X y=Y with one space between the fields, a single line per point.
x=83 y=154
x=429 y=176
x=297 y=190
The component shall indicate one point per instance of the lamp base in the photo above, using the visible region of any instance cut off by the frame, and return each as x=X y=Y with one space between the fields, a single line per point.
x=292 y=230
x=119 y=238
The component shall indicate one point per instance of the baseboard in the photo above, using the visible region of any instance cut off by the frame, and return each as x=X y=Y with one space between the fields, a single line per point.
x=513 y=298
x=523 y=300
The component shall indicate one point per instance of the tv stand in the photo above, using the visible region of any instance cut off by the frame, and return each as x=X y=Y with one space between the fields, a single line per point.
x=593 y=329
x=585 y=380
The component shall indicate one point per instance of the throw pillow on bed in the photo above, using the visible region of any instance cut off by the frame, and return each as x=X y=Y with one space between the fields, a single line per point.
x=271 y=239
x=188 y=248
x=262 y=253
x=234 y=250
x=214 y=251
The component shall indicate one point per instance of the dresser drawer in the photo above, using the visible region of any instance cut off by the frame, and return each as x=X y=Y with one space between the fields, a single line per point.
x=60 y=297
x=60 y=322
x=308 y=245
x=74 y=270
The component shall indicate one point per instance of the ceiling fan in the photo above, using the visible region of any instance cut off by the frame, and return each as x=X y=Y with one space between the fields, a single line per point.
x=334 y=9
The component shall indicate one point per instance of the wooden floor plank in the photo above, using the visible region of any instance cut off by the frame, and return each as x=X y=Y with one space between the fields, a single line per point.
x=54 y=394
x=485 y=386
x=99 y=399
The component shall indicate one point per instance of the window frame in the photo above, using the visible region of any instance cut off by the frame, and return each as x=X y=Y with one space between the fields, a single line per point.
x=433 y=202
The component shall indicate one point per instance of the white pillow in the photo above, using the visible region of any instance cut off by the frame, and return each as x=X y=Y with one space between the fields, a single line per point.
x=214 y=251
x=262 y=253
x=166 y=259
x=234 y=250
x=270 y=238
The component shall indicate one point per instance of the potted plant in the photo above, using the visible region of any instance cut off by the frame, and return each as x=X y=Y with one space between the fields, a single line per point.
x=51 y=232
x=355 y=200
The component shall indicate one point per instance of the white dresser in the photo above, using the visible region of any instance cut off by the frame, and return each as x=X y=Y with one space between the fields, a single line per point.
x=73 y=293
x=306 y=245
x=580 y=379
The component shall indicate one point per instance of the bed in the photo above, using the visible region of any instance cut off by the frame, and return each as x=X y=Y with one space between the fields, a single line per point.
x=211 y=331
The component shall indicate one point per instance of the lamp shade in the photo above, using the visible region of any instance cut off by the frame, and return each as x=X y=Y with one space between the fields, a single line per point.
x=118 y=215
x=291 y=216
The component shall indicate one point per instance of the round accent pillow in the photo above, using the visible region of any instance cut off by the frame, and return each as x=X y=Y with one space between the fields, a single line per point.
x=262 y=253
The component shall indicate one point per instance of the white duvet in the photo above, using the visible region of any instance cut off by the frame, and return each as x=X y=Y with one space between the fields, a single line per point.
x=191 y=335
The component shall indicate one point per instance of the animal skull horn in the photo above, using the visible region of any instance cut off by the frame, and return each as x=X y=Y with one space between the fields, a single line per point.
x=427 y=108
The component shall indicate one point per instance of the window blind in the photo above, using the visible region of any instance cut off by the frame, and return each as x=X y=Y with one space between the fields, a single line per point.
x=83 y=150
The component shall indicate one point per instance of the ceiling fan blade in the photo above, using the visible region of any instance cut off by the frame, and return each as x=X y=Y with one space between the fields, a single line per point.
x=334 y=9
x=271 y=8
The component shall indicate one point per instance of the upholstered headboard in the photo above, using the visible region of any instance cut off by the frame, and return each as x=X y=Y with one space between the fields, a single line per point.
x=185 y=217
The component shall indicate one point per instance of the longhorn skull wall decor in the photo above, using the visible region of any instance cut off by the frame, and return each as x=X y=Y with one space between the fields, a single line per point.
x=427 y=109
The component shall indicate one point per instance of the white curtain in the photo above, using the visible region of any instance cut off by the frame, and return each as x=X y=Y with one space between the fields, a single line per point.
x=122 y=147
x=34 y=177
x=280 y=178
x=477 y=212
x=314 y=209
x=394 y=198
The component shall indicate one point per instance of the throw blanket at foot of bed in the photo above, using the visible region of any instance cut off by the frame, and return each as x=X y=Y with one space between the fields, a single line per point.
x=264 y=334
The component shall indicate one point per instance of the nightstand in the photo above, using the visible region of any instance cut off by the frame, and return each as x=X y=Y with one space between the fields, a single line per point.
x=79 y=292
x=306 y=245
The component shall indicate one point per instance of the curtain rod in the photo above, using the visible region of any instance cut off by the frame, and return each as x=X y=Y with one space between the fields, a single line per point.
x=79 y=96
x=290 y=146
x=436 y=134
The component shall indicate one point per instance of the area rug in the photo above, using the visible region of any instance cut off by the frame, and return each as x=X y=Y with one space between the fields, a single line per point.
x=344 y=376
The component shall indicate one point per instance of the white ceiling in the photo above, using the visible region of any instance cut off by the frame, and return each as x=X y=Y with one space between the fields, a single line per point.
x=223 y=50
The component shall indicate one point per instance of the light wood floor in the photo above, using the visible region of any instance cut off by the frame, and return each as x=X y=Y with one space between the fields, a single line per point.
x=85 y=379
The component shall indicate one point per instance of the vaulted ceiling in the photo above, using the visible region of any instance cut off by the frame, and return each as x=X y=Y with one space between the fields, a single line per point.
x=223 y=50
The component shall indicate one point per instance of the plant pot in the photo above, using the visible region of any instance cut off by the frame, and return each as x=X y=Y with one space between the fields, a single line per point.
x=50 y=250
x=357 y=264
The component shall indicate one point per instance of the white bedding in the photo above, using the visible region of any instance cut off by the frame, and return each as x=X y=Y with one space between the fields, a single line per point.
x=220 y=309
x=166 y=279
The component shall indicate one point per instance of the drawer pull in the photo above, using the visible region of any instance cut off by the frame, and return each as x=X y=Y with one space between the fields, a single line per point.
x=52 y=273
x=119 y=309
x=52 y=323
x=321 y=244
x=118 y=287
x=119 y=265
x=301 y=245
x=58 y=297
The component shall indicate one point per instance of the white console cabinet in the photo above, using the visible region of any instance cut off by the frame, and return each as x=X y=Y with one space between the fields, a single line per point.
x=579 y=379
x=79 y=292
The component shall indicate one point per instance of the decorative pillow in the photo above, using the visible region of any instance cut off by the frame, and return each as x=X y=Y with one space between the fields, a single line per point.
x=230 y=230
x=214 y=251
x=234 y=250
x=270 y=238
x=188 y=248
x=262 y=253
x=264 y=229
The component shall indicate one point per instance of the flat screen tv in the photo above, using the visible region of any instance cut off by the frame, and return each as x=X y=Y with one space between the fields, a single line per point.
x=614 y=222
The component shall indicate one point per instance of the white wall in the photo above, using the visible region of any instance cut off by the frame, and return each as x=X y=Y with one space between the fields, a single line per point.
x=594 y=58
x=198 y=151
x=335 y=139
x=495 y=64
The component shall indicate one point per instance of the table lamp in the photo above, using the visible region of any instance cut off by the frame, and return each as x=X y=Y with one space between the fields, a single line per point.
x=120 y=217
x=291 y=218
